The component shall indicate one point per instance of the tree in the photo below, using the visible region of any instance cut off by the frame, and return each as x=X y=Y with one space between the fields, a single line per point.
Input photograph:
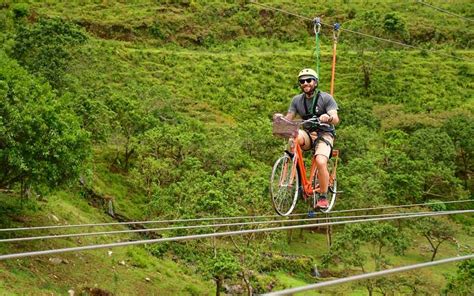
x=404 y=183
x=257 y=139
x=460 y=129
x=394 y=24
x=222 y=267
x=130 y=120
x=46 y=48
x=41 y=141
x=379 y=238
x=436 y=230
x=433 y=154
x=363 y=181
x=462 y=282
x=421 y=165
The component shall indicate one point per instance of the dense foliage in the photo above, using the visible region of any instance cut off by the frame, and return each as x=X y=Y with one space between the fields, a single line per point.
x=45 y=49
x=41 y=141
x=461 y=283
x=176 y=99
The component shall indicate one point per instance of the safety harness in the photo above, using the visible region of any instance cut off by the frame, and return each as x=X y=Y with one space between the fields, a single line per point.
x=309 y=128
x=314 y=106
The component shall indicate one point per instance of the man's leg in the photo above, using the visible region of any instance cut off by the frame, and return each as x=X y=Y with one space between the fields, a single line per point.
x=323 y=174
x=322 y=152
x=303 y=140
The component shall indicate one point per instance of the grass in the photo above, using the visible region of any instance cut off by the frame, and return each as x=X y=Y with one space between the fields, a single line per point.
x=213 y=24
x=286 y=281
x=124 y=272
x=314 y=244
x=310 y=244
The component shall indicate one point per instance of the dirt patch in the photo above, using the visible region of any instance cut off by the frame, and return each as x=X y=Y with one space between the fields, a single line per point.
x=105 y=202
x=114 y=31
x=96 y=292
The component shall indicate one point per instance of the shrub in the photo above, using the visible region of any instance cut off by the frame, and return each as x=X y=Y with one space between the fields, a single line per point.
x=45 y=48
x=20 y=10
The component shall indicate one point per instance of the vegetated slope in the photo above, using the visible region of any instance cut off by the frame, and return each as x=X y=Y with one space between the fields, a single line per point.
x=121 y=271
x=210 y=23
x=179 y=104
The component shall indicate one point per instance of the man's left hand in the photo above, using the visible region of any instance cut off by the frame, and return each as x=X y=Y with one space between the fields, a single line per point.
x=324 y=118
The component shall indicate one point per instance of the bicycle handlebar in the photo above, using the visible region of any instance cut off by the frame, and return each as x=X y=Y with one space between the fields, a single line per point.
x=311 y=120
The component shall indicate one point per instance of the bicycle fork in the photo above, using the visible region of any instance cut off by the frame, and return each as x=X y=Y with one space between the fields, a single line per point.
x=284 y=173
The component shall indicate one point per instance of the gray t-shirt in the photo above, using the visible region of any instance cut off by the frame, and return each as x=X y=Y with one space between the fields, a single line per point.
x=325 y=103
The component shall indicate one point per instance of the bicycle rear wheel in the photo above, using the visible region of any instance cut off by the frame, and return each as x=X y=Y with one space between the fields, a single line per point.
x=332 y=188
x=284 y=185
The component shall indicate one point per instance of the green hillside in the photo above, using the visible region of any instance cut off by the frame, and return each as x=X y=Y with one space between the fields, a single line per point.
x=163 y=109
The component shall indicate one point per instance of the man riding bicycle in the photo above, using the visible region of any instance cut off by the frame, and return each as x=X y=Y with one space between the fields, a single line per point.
x=314 y=103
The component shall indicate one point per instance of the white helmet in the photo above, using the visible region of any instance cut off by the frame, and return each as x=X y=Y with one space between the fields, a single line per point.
x=308 y=73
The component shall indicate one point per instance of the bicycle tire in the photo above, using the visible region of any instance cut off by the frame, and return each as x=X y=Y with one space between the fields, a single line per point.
x=284 y=191
x=332 y=189
x=332 y=192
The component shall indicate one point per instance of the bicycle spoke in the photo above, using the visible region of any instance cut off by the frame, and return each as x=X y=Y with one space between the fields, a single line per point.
x=284 y=185
x=284 y=169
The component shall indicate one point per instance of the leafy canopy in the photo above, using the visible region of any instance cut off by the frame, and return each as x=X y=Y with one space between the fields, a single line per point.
x=41 y=141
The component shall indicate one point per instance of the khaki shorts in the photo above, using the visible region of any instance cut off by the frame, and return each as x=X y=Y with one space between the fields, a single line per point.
x=321 y=147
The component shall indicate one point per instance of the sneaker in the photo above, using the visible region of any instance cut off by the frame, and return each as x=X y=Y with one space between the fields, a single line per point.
x=322 y=202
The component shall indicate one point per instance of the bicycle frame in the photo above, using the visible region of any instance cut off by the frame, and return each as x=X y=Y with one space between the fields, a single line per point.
x=308 y=188
x=305 y=182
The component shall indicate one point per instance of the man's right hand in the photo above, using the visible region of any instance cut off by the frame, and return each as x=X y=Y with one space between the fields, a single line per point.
x=276 y=115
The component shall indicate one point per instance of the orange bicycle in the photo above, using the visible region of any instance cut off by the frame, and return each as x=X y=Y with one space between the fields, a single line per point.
x=289 y=179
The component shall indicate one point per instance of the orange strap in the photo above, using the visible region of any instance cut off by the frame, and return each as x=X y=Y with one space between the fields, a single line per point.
x=333 y=74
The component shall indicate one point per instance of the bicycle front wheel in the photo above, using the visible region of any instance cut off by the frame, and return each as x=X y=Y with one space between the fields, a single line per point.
x=284 y=185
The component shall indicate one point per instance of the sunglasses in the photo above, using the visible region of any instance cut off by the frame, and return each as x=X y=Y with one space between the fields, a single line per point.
x=307 y=80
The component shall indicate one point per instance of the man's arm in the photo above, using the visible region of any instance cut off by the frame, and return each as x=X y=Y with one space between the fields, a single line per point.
x=330 y=117
x=290 y=116
x=331 y=111
x=333 y=117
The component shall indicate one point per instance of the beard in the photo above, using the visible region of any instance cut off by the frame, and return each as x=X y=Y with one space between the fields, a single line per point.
x=308 y=90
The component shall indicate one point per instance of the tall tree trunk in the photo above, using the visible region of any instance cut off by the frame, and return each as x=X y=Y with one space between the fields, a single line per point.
x=247 y=284
x=435 y=250
x=218 y=285
x=289 y=236
x=328 y=234
x=465 y=173
x=370 y=289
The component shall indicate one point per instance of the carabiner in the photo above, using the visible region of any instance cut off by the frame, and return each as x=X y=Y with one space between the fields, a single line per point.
x=317 y=25
x=335 y=32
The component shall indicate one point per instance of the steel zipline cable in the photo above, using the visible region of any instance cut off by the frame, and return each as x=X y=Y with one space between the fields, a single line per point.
x=444 y=11
x=360 y=33
x=188 y=227
x=216 y=234
x=404 y=206
x=369 y=275
x=47 y=227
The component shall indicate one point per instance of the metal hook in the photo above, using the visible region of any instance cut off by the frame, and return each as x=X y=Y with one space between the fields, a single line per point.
x=317 y=25
x=336 y=31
